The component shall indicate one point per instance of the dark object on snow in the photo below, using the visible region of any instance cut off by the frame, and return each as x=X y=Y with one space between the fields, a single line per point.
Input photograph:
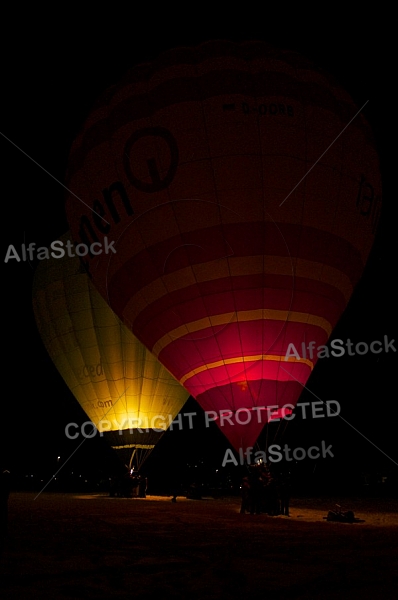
x=284 y=485
x=342 y=516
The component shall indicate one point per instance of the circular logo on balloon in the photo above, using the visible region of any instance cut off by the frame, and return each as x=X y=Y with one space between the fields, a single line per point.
x=146 y=172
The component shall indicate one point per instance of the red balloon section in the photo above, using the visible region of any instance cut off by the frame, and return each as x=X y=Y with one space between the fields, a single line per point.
x=221 y=264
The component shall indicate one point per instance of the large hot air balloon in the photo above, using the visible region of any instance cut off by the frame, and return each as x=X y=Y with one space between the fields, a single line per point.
x=240 y=187
x=124 y=390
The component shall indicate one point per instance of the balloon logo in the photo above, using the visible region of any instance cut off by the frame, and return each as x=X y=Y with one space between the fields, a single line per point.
x=222 y=261
x=120 y=385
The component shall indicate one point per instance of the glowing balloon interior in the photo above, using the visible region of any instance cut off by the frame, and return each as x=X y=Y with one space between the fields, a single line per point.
x=222 y=261
x=120 y=385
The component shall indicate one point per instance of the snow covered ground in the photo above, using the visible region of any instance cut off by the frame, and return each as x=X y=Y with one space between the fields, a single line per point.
x=95 y=547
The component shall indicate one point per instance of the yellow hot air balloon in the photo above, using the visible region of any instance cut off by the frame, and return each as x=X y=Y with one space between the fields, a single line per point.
x=121 y=386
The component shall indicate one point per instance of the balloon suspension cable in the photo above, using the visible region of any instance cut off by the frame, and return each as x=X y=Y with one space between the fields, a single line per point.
x=138 y=458
x=132 y=457
x=279 y=433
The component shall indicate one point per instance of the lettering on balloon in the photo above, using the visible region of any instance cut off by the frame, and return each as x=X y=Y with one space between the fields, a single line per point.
x=87 y=233
x=165 y=143
x=155 y=177
x=90 y=371
x=105 y=403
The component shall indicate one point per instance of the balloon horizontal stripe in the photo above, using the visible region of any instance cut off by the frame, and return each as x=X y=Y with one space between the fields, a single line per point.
x=201 y=325
x=243 y=360
x=211 y=298
x=317 y=251
x=238 y=339
x=141 y=446
x=329 y=286
x=241 y=374
x=205 y=383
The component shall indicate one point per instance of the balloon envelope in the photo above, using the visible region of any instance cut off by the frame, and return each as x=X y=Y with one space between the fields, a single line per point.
x=120 y=385
x=237 y=237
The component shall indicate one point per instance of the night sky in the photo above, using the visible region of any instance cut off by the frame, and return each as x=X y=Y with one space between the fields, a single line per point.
x=50 y=79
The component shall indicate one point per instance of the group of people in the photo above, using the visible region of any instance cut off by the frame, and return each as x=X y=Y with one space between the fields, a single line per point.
x=265 y=492
x=130 y=485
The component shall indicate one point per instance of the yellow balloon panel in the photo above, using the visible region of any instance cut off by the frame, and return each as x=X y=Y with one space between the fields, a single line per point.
x=116 y=380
